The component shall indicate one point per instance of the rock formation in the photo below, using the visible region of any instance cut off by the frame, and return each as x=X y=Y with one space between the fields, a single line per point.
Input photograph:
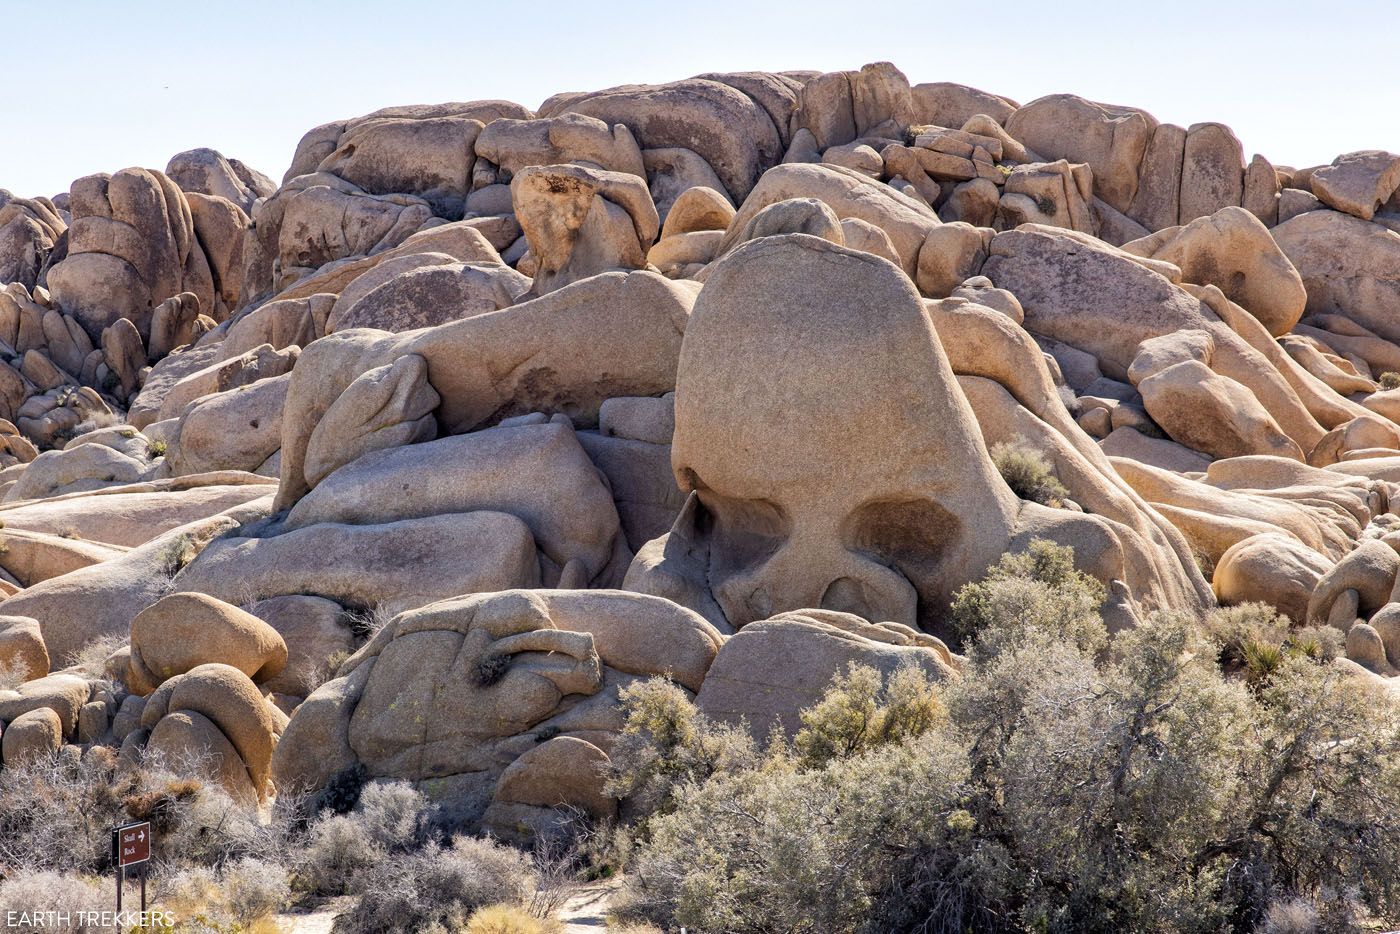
x=409 y=463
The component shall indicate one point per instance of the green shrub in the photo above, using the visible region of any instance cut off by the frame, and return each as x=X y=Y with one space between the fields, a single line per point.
x=862 y=711
x=666 y=745
x=1390 y=380
x=1038 y=590
x=1028 y=473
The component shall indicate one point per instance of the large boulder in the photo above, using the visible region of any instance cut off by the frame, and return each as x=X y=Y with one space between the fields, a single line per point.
x=848 y=194
x=425 y=290
x=580 y=221
x=215 y=720
x=512 y=145
x=724 y=126
x=131 y=246
x=207 y=172
x=1270 y=568
x=451 y=695
x=1349 y=267
x=772 y=670
x=391 y=566
x=566 y=352
x=1111 y=139
x=22 y=650
x=1233 y=251
x=1358 y=182
x=536 y=472
x=185 y=630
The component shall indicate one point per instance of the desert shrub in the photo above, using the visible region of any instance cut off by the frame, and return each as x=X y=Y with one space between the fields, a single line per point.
x=342 y=850
x=1253 y=640
x=1179 y=776
x=338 y=848
x=13 y=674
x=666 y=744
x=1390 y=380
x=45 y=891
x=1038 y=590
x=255 y=889
x=438 y=886
x=1028 y=473
x=509 y=919
x=777 y=848
x=242 y=897
x=862 y=711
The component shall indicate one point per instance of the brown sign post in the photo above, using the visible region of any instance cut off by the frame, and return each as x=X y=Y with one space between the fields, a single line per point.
x=131 y=846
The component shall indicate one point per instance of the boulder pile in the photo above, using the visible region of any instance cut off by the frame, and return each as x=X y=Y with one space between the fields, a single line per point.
x=406 y=466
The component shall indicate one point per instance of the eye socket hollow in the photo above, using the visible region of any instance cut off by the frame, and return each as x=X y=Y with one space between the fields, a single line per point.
x=907 y=534
x=743 y=532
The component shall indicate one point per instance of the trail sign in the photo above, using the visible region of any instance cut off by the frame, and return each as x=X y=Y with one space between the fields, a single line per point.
x=132 y=844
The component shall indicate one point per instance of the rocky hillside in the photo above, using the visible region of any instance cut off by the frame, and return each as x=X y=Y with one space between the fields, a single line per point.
x=410 y=463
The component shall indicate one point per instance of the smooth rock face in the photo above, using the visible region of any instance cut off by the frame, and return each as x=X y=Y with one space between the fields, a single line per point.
x=536 y=472
x=186 y=630
x=1233 y=251
x=1349 y=267
x=768 y=483
x=1111 y=140
x=130 y=247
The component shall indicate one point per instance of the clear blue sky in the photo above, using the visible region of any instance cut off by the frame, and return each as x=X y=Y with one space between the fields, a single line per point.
x=97 y=86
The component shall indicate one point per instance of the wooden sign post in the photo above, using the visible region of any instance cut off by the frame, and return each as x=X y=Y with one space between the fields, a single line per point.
x=131 y=846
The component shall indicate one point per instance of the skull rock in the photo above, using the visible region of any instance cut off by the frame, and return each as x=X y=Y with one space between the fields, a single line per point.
x=858 y=482
x=580 y=221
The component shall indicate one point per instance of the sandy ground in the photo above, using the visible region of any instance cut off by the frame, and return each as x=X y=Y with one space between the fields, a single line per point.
x=585 y=912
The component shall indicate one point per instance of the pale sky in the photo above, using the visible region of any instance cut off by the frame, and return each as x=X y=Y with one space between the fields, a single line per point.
x=97 y=86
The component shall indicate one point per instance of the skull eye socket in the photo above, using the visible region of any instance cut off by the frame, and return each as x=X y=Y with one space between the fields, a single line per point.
x=742 y=532
x=906 y=534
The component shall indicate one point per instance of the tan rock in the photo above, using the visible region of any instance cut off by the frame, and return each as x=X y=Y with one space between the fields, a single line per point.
x=31 y=736
x=185 y=630
x=1112 y=140
x=848 y=194
x=433 y=293
x=947 y=104
x=395 y=565
x=536 y=472
x=22 y=649
x=772 y=669
x=1261 y=190
x=580 y=221
x=1211 y=413
x=1358 y=182
x=698 y=209
x=512 y=145
x=1370 y=570
x=1272 y=568
x=1348 y=267
x=1232 y=250
x=317 y=637
x=951 y=254
x=627 y=326
x=1212 y=171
